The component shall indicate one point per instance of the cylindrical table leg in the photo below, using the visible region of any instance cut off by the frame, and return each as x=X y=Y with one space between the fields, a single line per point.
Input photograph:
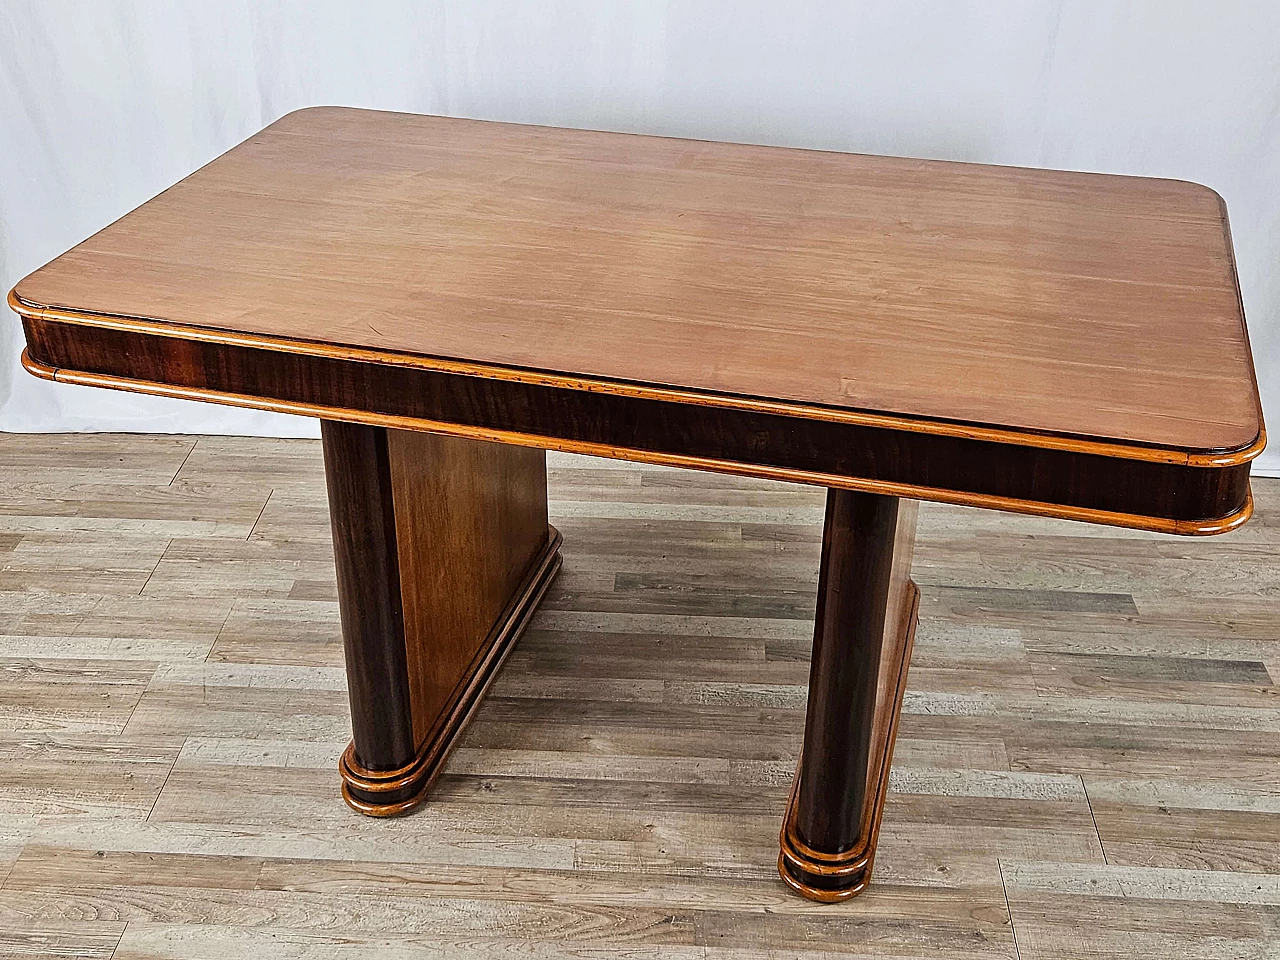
x=862 y=641
x=358 y=475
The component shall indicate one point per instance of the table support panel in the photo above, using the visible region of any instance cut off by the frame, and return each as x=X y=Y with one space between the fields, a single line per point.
x=443 y=552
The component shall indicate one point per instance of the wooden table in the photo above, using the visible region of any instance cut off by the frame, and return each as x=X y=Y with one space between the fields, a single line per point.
x=453 y=297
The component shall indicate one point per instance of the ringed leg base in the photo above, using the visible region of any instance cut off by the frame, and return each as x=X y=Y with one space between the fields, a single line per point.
x=389 y=793
x=443 y=552
x=830 y=877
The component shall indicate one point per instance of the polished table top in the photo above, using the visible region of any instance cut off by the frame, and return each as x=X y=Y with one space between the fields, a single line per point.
x=1035 y=308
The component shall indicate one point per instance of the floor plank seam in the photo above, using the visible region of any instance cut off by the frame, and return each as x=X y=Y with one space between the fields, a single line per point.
x=218 y=635
x=159 y=560
x=8 y=868
x=1013 y=927
x=123 y=732
x=177 y=472
x=249 y=536
x=155 y=801
x=119 y=939
x=1089 y=800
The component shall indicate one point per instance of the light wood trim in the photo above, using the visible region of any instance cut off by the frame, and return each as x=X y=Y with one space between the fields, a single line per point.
x=910 y=491
x=641 y=390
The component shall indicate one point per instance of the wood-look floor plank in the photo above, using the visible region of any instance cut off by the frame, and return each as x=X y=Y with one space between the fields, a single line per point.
x=47 y=940
x=95 y=774
x=1089 y=760
x=1065 y=910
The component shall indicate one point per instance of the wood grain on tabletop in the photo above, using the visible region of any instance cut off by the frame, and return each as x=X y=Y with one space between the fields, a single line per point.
x=1087 y=765
x=1072 y=303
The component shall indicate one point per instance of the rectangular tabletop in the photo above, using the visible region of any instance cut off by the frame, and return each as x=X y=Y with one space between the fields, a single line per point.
x=1042 y=310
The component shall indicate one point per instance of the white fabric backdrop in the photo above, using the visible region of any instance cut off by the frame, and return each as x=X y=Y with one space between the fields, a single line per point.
x=103 y=105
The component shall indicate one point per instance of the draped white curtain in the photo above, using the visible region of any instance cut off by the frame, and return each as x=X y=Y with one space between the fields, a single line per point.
x=104 y=104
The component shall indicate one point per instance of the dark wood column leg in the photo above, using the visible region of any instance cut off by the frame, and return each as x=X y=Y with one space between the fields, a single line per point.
x=443 y=552
x=867 y=609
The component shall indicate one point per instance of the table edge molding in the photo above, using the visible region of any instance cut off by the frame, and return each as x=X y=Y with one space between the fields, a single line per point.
x=1048 y=441
x=1207 y=527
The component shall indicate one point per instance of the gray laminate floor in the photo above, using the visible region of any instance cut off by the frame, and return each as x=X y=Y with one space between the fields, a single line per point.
x=1089 y=763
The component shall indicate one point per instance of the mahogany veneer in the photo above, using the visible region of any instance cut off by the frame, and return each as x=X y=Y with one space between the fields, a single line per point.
x=452 y=296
